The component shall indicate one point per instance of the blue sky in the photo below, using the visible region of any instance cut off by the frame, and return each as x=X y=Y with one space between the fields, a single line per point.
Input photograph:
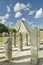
x=31 y=11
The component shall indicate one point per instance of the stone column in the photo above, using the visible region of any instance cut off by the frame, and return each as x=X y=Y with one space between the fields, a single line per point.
x=14 y=39
x=26 y=39
x=8 y=48
x=10 y=40
x=4 y=36
x=19 y=41
x=38 y=38
x=34 y=45
x=38 y=42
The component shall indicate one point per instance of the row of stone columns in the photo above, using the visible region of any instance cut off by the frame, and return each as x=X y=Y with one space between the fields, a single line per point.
x=34 y=35
x=19 y=35
x=8 y=44
x=14 y=38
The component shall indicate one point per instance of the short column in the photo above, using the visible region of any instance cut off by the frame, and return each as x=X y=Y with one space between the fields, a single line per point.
x=26 y=39
x=19 y=41
x=14 y=39
x=3 y=36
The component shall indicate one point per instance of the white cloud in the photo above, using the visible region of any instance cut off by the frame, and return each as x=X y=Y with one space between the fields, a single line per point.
x=28 y=6
x=31 y=12
x=6 y=16
x=33 y=25
x=39 y=13
x=20 y=6
x=8 y=8
x=10 y=24
x=30 y=23
x=3 y=21
x=24 y=19
x=27 y=21
x=18 y=14
x=3 y=18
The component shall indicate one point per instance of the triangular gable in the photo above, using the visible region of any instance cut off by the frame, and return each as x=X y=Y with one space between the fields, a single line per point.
x=21 y=26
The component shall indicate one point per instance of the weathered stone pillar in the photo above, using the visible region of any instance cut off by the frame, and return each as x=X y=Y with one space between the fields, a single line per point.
x=26 y=39
x=38 y=38
x=19 y=41
x=34 y=45
x=38 y=41
x=3 y=34
x=14 y=39
x=8 y=48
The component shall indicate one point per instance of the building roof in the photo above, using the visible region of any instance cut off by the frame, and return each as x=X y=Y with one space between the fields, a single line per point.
x=21 y=26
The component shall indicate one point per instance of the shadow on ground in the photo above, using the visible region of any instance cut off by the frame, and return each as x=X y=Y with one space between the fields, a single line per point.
x=41 y=43
x=16 y=59
x=21 y=57
x=26 y=49
x=41 y=61
x=41 y=49
x=13 y=63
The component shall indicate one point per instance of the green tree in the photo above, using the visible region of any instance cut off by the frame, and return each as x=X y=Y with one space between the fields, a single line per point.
x=41 y=29
x=12 y=30
x=3 y=28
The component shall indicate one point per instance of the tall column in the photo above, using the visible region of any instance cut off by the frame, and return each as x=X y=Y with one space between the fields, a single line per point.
x=19 y=41
x=26 y=39
x=8 y=48
x=38 y=41
x=34 y=45
x=14 y=39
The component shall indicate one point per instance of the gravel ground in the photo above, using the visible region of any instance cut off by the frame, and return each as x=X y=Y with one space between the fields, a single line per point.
x=20 y=57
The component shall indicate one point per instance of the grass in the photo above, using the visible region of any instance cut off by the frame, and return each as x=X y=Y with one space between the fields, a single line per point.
x=41 y=34
x=1 y=39
x=23 y=37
